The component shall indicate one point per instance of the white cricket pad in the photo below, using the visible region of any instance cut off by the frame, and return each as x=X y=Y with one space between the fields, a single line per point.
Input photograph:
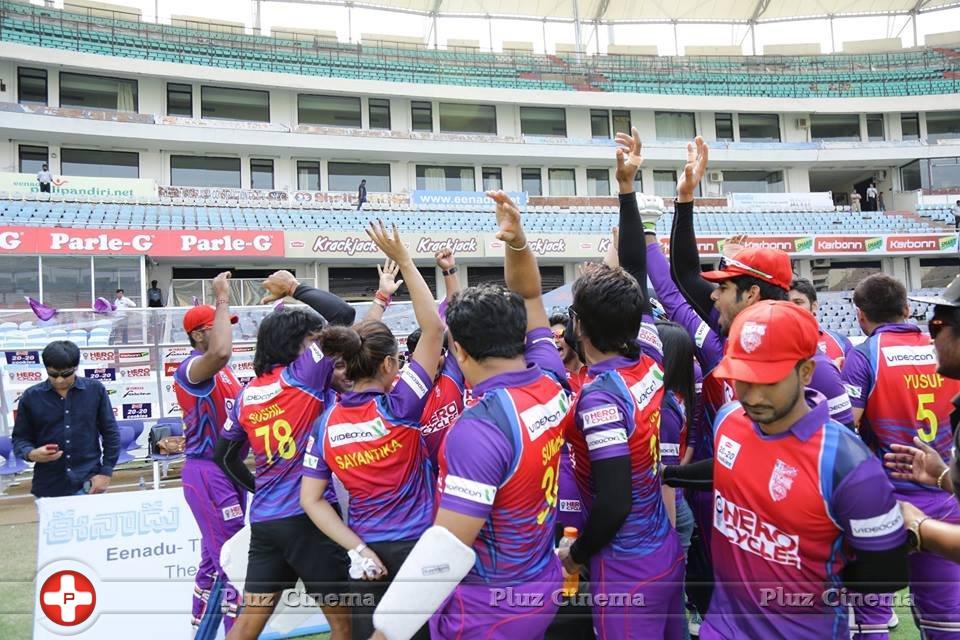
x=431 y=572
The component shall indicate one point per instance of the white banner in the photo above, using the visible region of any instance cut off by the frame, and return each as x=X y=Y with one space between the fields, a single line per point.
x=120 y=564
x=789 y=201
x=81 y=186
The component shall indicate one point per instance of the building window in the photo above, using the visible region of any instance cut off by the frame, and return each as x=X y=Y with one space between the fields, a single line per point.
x=457 y=117
x=94 y=163
x=224 y=103
x=543 y=121
x=910 y=126
x=19 y=277
x=379 y=109
x=843 y=127
x=944 y=173
x=67 y=281
x=942 y=125
x=346 y=176
x=531 y=181
x=910 y=178
x=329 y=111
x=97 y=92
x=724 y=122
x=759 y=127
x=113 y=272
x=261 y=173
x=308 y=175
x=563 y=182
x=179 y=100
x=204 y=171
x=753 y=182
x=665 y=183
x=875 y=131
x=421 y=115
x=492 y=178
x=673 y=125
x=31 y=86
x=599 y=123
x=598 y=182
x=33 y=158
x=621 y=121
x=445 y=178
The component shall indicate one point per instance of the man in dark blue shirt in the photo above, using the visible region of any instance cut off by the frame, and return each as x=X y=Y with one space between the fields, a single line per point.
x=60 y=424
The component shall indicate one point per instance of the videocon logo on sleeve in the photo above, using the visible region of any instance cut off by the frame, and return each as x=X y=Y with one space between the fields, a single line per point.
x=948 y=243
x=873 y=244
x=803 y=245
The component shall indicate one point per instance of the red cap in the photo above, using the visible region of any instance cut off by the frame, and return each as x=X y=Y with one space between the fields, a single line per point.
x=201 y=317
x=766 y=342
x=771 y=265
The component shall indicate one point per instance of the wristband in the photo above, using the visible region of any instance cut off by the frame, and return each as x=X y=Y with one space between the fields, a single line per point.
x=521 y=248
x=940 y=479
x=293 y=288
x=221 y=301
x=382 y=299
x=449 y=272
x=360 y=547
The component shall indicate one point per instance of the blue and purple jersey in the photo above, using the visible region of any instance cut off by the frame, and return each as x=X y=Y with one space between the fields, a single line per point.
x=836 y=346
x=204 y=406
x=673 y=431
x=372 y=442
x=618 y=414
x=275 y=414
x=500 y=462
x=893 y=377
x=789 y=509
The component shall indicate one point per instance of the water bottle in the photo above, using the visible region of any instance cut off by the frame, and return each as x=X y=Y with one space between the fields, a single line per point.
x=571 y=581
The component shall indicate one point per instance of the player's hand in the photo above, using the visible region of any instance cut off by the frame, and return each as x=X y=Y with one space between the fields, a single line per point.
x=221 y=286
x=370 y=555
x=279 y=285
x=910 y=512
x=508 y=219
x=388 y=277
x=698 y=154
x=921 y=464
x=389 y=242
x=629 y=159
x=569 y=565
x=99 y=483
x=734 y=245
x=46 y=453
x=612 y=258
x=445 y=259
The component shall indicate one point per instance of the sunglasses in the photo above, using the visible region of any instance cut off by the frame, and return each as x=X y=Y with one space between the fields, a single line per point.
x=61 y=374
x=731 y=262
x=937 y=325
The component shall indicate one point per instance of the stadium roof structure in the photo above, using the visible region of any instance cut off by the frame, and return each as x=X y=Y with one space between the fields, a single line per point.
x=653 y=11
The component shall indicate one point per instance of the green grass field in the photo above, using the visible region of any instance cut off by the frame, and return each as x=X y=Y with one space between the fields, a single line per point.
x=19 y=560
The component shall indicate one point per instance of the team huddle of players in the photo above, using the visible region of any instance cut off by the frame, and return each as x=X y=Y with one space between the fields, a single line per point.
x=368 y=466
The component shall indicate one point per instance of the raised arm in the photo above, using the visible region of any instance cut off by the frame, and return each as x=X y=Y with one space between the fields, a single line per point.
x=448 y=267
x=631 y=250
x=387 y=287
x=684 y=255
x=519 y=264
x=427 y=353
x=283 y=283
x=220 y=338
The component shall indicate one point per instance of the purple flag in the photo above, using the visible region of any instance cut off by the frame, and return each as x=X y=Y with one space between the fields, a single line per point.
x=102 y=305
x=42 y=311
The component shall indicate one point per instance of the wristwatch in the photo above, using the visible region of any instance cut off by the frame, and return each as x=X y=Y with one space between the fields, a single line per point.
x=914 y=539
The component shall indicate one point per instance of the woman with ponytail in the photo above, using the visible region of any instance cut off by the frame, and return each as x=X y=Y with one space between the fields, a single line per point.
x=370 y=439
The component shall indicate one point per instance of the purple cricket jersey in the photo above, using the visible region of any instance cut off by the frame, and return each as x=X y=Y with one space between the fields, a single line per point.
x=673 y=431
x=500 y=462
x=372 y=442
x=275 y=414
x=204 y=406
x=788 y=511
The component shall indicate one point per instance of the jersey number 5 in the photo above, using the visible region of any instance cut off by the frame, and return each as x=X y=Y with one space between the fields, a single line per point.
x=923 y=413
x=281 y=440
